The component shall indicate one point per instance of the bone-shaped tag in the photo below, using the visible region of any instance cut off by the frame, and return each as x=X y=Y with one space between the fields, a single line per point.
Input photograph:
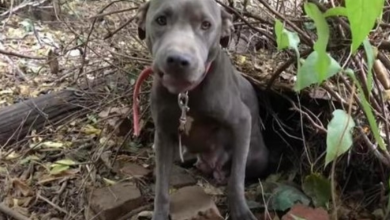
x=188 y=125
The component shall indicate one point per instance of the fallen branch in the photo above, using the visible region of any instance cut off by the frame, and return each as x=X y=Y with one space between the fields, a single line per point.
x=12 y=213
x=10 y=53
x=12 y=10
x=18 y=120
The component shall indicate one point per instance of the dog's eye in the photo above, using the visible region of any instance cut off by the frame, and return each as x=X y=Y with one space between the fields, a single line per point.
x=161 y=20
x=205 y=25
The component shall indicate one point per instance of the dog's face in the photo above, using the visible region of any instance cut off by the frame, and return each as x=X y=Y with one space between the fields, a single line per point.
x=182 y=36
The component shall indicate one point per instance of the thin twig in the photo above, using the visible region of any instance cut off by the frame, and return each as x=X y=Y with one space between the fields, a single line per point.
x=39 y=196
x=15 y=67
x=113 y=12
x=234 y=11
x=283 y=67
x=385 y=158
x=109 y=35
x=10 y=53
x=319 y=127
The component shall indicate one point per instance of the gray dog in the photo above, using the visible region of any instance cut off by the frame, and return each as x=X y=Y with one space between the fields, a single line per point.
x=199 y=100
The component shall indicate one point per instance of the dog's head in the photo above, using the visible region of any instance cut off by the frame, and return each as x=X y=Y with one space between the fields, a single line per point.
x=183 y=36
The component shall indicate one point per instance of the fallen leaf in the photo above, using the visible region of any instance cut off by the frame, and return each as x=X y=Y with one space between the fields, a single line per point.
x=3 y=170
x=318 y=188
x=68 y=174
x=24 y=90
x=109 y=182
x=134 y=170
x=21 y=186
x=212 y=190
x=6 y=91
x=28 y=159
x=285 y=196
x=105 y=157
x=145 y=214
x=61 y=166
x=90 y=130
x=18 y=209
x=386 y=95
x=120 y=111
x=241 y=59
x=193 y=203
x=13 y=155
x=66 y=162
x=58 y=168
x=51 y=144
x=300 y=211
x=25 y=202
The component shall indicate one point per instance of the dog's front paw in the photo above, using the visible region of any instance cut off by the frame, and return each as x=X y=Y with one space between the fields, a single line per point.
x=242 y=214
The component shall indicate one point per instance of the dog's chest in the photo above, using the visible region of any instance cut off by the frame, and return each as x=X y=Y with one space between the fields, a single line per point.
x=200 y=134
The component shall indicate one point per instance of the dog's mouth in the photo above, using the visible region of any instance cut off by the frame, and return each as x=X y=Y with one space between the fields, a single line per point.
x=176 y=85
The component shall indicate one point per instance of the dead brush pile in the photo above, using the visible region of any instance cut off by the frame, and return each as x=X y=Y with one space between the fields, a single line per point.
x=67 y=71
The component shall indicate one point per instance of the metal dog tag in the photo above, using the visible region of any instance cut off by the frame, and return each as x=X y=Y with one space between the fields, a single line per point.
x=182 y=100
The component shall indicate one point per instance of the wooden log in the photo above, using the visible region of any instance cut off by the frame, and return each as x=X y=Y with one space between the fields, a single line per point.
x=18 y=120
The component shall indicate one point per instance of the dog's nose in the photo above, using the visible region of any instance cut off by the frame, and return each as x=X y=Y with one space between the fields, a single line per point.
x=178 y=61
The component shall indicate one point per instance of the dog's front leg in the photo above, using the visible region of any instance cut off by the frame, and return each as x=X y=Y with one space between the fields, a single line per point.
x=241 y=129
x=164 y=148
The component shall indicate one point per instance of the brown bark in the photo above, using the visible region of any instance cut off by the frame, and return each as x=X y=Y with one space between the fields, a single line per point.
x=18 y=120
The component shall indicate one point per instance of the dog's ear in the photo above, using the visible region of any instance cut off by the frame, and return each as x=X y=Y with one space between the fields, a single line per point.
x=140 y=18
x=227 y=28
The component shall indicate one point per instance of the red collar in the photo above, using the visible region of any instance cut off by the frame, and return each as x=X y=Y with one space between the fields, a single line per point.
x=145 y=74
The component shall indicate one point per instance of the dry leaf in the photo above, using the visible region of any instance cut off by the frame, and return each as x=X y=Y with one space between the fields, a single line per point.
x=22 y=187
x=89 y=129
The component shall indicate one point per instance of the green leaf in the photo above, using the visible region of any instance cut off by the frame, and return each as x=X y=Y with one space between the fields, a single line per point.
x=284 y=38
x=362 y=15
x=285 y=196
x=287 y=39
x=318 y=189
x=320 y=45
x=28 y=159
x=57 y=169
x=308 y=75
x=61 y=165
x=281 y=39
x=339 y=137
x=336 y=11
x=52 y=144
x=368 y=111
x=370 y=61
